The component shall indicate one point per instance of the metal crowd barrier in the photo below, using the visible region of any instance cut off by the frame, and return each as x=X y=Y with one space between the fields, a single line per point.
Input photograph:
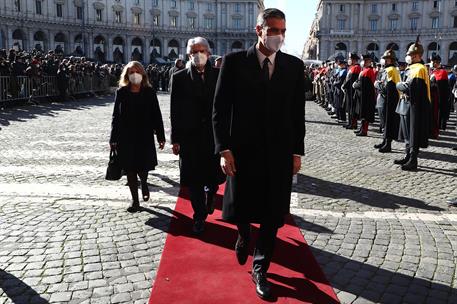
x=15 y=88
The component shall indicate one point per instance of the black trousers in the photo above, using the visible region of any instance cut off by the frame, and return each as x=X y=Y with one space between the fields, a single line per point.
x=198 y=194
x=264 y=246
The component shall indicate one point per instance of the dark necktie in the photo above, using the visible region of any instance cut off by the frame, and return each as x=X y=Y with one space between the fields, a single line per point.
x=265 y=70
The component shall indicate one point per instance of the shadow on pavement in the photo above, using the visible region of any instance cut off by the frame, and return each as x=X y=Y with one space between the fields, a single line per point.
x=371 y=282
x=17 y=291
x=438 y=156
x=27 y=112
x=320 y=187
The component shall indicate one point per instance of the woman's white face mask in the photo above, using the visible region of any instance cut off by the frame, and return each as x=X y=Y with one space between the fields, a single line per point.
x=135 y=78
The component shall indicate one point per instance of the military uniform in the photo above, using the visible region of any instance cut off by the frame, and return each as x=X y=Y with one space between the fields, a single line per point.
x=414 y=109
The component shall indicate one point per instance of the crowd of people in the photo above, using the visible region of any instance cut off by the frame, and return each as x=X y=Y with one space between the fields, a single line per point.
x=71 y=72
x=413 y=99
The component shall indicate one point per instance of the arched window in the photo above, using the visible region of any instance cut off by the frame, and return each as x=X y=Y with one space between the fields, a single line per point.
x=433 y=49
x=393 y=46
x=373 y=50
x=173 y=49
x=340 y=50
x=452 y=53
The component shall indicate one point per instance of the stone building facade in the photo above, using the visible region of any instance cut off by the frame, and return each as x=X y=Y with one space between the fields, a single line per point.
x=120 y=30
x=376 y=25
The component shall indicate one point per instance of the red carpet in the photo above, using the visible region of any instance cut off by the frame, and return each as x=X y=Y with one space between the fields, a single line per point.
x=205 y=270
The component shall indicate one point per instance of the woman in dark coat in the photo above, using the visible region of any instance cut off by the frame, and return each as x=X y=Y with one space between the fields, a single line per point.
x=136 y=118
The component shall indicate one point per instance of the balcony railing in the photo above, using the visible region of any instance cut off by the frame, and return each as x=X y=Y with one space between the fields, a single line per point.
x=341 y=32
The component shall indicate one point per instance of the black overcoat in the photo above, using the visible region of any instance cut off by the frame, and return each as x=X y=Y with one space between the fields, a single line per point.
x=191 y=126
x=136 y=118
x=262 y=123
x=350 y=98
x=390 y=78
x=366 y=103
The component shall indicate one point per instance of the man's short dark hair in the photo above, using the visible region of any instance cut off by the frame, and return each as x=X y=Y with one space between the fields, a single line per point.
x=269 y=13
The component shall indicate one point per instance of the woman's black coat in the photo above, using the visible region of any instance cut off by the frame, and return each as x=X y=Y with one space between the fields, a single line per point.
x=136 y=118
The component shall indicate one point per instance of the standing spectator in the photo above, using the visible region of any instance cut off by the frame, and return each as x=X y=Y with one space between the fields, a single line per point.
x=62 y=82
x=136 y=118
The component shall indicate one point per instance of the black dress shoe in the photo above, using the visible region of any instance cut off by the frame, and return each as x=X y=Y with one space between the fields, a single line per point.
x=403 y=160
x=263 y=287
x=380 y=145
x=134 y=207
x=198 y=227
x=241 y=250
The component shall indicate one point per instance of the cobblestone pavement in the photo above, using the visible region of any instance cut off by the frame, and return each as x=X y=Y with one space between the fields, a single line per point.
x=379 y=234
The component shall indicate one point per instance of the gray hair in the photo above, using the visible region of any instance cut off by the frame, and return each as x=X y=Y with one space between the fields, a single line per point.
x=195 y=41
x=269 y=13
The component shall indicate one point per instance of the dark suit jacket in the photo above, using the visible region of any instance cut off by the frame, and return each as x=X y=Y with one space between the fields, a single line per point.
x=191 y=126
x=262 y=123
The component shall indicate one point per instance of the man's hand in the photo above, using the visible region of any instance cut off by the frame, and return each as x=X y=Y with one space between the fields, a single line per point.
x=161 y=145
x=175 y=149
x=228 y=163
x=297 y=164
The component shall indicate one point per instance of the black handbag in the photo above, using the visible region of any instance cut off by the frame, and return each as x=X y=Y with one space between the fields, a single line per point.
x=114 y=170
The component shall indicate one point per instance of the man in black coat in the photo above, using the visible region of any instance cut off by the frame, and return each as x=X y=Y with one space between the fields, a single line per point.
x=192 y=95
x=259 y=131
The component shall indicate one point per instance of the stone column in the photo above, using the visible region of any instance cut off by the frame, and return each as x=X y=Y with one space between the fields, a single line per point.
x=146 y=56
x=69 y=44
x=9 y=37
x=109 y=49
x=128 y=48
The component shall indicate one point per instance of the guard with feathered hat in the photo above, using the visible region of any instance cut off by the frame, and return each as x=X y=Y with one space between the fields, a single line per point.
x=414 y=107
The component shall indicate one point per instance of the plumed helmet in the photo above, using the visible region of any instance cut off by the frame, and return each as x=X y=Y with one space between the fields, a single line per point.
x=389 y=54
x=415 y=48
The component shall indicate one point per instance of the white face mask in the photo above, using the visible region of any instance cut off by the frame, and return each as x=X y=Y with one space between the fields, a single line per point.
x=382 y=62
x=199 y=59
x=350 y=62
x=408 y=59
x=135 y=78
x=273 y=43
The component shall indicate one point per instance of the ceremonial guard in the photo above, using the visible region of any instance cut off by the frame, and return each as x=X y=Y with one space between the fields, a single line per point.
x=349 y=98
x=414 y=107
x=440 y=91
x=366 y=101
x=338 y=98
x=386 y=86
